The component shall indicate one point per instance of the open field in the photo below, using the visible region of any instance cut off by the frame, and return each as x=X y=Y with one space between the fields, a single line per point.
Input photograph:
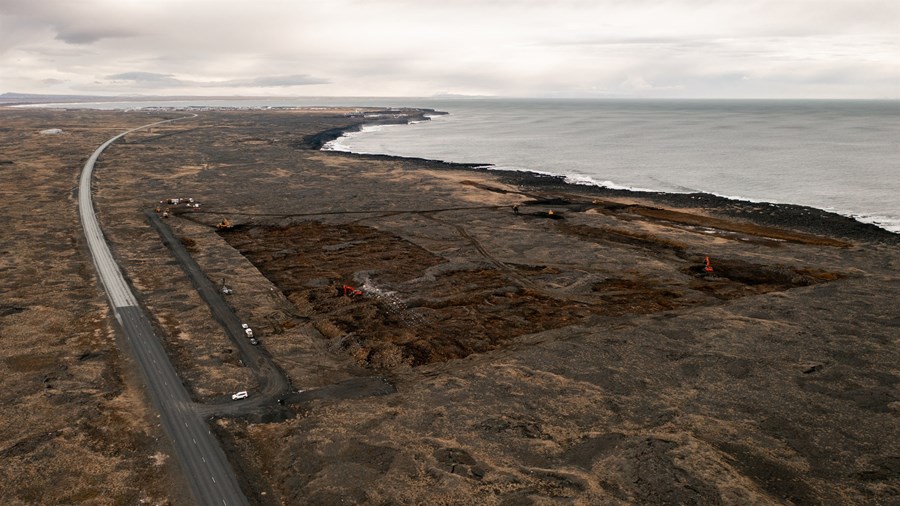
x=572 y=351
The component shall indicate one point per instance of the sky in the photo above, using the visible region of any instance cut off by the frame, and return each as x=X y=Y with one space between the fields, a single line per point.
x=422 y=48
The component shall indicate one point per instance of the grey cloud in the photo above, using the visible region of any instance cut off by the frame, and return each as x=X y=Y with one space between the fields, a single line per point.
x=85 y=36
x=500 y=47
x=73 y=23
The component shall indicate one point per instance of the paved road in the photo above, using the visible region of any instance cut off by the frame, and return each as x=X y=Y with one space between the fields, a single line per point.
x=205 y=465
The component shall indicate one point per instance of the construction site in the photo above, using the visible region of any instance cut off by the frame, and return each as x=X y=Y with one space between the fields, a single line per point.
x=446 y=334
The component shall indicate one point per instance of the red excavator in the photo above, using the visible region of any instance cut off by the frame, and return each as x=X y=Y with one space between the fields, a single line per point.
x=349 y=291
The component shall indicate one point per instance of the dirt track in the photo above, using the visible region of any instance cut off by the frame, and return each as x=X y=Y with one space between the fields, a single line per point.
x=580 y=357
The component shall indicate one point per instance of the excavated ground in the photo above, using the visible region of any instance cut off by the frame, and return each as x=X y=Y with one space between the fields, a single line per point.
x=417 y=308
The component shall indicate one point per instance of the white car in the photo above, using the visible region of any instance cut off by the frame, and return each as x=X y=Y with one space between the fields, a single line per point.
x=245 y=326
x=240 y=395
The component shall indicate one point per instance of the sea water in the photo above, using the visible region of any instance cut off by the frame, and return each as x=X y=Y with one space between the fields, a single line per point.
x=842 y=156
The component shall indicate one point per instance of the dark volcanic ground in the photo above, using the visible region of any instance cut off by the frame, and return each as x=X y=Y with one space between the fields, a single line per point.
x=575 y=352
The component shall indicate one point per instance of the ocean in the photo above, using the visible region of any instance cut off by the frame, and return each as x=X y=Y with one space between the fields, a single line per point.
x=838 y=155
x=841 y=156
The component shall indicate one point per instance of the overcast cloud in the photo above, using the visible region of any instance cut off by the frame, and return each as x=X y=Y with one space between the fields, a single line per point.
x=564 y=48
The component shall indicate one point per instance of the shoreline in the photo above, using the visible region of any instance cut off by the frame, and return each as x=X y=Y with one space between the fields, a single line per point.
x=319 y=140
x=797 y=217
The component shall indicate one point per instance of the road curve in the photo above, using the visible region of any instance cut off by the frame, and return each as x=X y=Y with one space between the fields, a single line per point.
x=202 y=460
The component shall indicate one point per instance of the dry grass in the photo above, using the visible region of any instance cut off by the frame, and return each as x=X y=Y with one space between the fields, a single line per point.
x=600 y=366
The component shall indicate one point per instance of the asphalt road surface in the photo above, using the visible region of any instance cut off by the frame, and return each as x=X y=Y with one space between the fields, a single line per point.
x=205 y=465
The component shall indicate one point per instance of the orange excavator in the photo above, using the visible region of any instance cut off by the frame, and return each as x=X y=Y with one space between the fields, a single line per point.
x=349 y=291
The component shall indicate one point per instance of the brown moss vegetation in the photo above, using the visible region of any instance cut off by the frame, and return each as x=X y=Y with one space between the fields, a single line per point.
x=584 y=359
